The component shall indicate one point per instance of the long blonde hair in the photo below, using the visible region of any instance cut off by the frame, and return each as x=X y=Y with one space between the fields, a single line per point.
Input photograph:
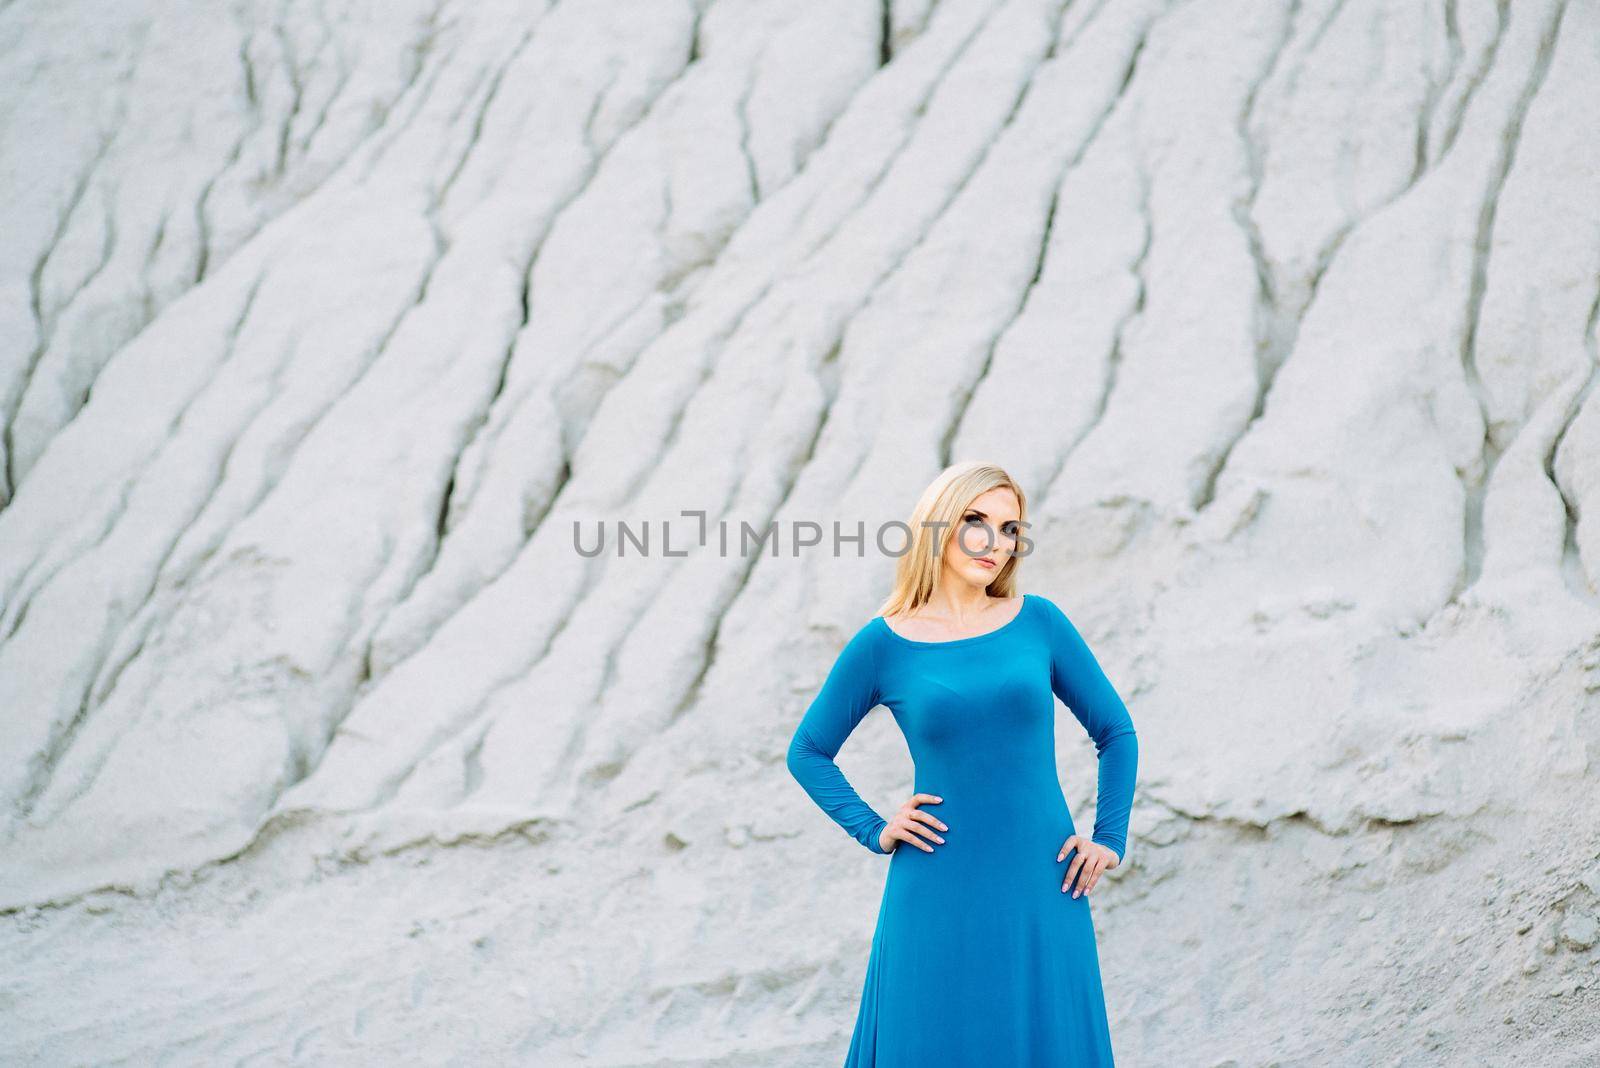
x=945 y=500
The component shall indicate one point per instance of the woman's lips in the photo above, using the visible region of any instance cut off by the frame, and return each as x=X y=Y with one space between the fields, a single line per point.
x=985 y=562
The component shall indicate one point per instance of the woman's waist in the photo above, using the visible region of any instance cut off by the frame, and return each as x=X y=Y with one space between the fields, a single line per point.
x=998 y=796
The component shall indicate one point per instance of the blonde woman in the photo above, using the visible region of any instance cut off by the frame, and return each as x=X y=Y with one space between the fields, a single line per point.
x=984 y=953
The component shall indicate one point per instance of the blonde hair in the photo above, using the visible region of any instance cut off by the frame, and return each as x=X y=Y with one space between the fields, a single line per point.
x=945 y=500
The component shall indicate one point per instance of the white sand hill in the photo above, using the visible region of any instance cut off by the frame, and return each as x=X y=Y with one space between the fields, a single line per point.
x=323 y=324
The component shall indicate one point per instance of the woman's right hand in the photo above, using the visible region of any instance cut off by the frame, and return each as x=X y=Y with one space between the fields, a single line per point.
x=911 y=824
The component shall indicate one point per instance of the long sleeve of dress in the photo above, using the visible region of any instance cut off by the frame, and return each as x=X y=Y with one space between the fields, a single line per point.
x=1077 y=679
x=848 y=693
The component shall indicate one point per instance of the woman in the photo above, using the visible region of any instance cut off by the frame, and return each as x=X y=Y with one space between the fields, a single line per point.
x=984 y=953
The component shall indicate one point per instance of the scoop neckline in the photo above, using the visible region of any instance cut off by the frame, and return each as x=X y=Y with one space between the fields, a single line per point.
x=968 y=640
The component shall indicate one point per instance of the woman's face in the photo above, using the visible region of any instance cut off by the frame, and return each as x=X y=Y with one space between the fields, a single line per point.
x=983 y=539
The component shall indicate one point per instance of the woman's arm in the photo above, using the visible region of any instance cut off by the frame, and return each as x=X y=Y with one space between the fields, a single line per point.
x=1077 y=679
x=848 y=693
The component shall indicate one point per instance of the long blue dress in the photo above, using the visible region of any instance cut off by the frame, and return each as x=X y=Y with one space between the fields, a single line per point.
x=979 y=960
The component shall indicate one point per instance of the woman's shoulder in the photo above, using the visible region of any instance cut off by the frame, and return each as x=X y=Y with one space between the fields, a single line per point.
x=1042 y=601
x=864 y=642
x=1046 y=607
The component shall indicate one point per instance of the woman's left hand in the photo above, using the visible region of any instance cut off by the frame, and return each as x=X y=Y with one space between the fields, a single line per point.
x=1092 y=859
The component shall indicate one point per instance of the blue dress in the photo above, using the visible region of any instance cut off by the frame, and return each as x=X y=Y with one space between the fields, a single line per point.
x=979 y=960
